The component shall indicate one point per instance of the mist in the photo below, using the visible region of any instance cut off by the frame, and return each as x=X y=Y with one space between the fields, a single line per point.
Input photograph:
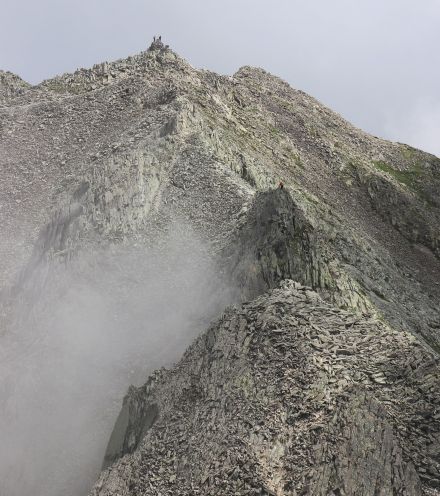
x=91 y=328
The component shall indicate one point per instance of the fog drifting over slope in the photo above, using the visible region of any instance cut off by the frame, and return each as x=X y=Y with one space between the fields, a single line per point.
x=104 y=321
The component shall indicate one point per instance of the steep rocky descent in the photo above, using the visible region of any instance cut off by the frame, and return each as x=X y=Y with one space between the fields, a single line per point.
x=113 y=152
x=110 y=155
x=117 y=154
x=273 y=240
x=285 y=395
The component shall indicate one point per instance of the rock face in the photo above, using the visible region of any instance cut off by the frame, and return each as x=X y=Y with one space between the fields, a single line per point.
x=328 y=385
x=284 y=395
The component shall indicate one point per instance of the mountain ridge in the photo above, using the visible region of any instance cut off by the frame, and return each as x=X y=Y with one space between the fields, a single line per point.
x=111 y=156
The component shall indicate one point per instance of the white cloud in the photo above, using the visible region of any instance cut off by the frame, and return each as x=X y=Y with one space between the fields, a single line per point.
x=419 y=126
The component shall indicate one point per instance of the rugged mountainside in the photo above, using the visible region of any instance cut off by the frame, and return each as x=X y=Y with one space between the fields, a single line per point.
x=329 y=389
x=286 y=395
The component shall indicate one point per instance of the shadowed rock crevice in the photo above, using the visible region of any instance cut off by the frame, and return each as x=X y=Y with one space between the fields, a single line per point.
x=274 y=243
x=132 y=424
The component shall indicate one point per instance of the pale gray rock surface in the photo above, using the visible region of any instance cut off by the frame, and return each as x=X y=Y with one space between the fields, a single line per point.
x=284 y=395
x=328 y=390
x=115 y=151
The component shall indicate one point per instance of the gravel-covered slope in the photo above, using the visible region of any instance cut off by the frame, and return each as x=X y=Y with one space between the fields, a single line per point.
x=114 y=152
x=281 y=394
x=284 y=395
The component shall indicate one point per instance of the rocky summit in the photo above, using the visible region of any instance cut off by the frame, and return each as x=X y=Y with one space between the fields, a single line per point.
x=319 y=375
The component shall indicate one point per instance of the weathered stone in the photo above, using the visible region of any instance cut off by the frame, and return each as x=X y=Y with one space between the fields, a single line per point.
x=299 y=432
x=291 y=393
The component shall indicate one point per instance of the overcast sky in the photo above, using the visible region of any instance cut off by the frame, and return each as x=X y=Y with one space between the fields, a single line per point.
x=377 y=62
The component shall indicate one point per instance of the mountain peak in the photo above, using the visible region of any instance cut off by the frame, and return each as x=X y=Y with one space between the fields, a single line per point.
x=157 y=44
x=323 y=238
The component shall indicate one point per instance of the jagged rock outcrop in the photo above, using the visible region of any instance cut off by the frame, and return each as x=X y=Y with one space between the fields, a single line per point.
x=274 y=241
x=328 y=390
x=150 y=138
x=284 y=395
x=11 y=86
